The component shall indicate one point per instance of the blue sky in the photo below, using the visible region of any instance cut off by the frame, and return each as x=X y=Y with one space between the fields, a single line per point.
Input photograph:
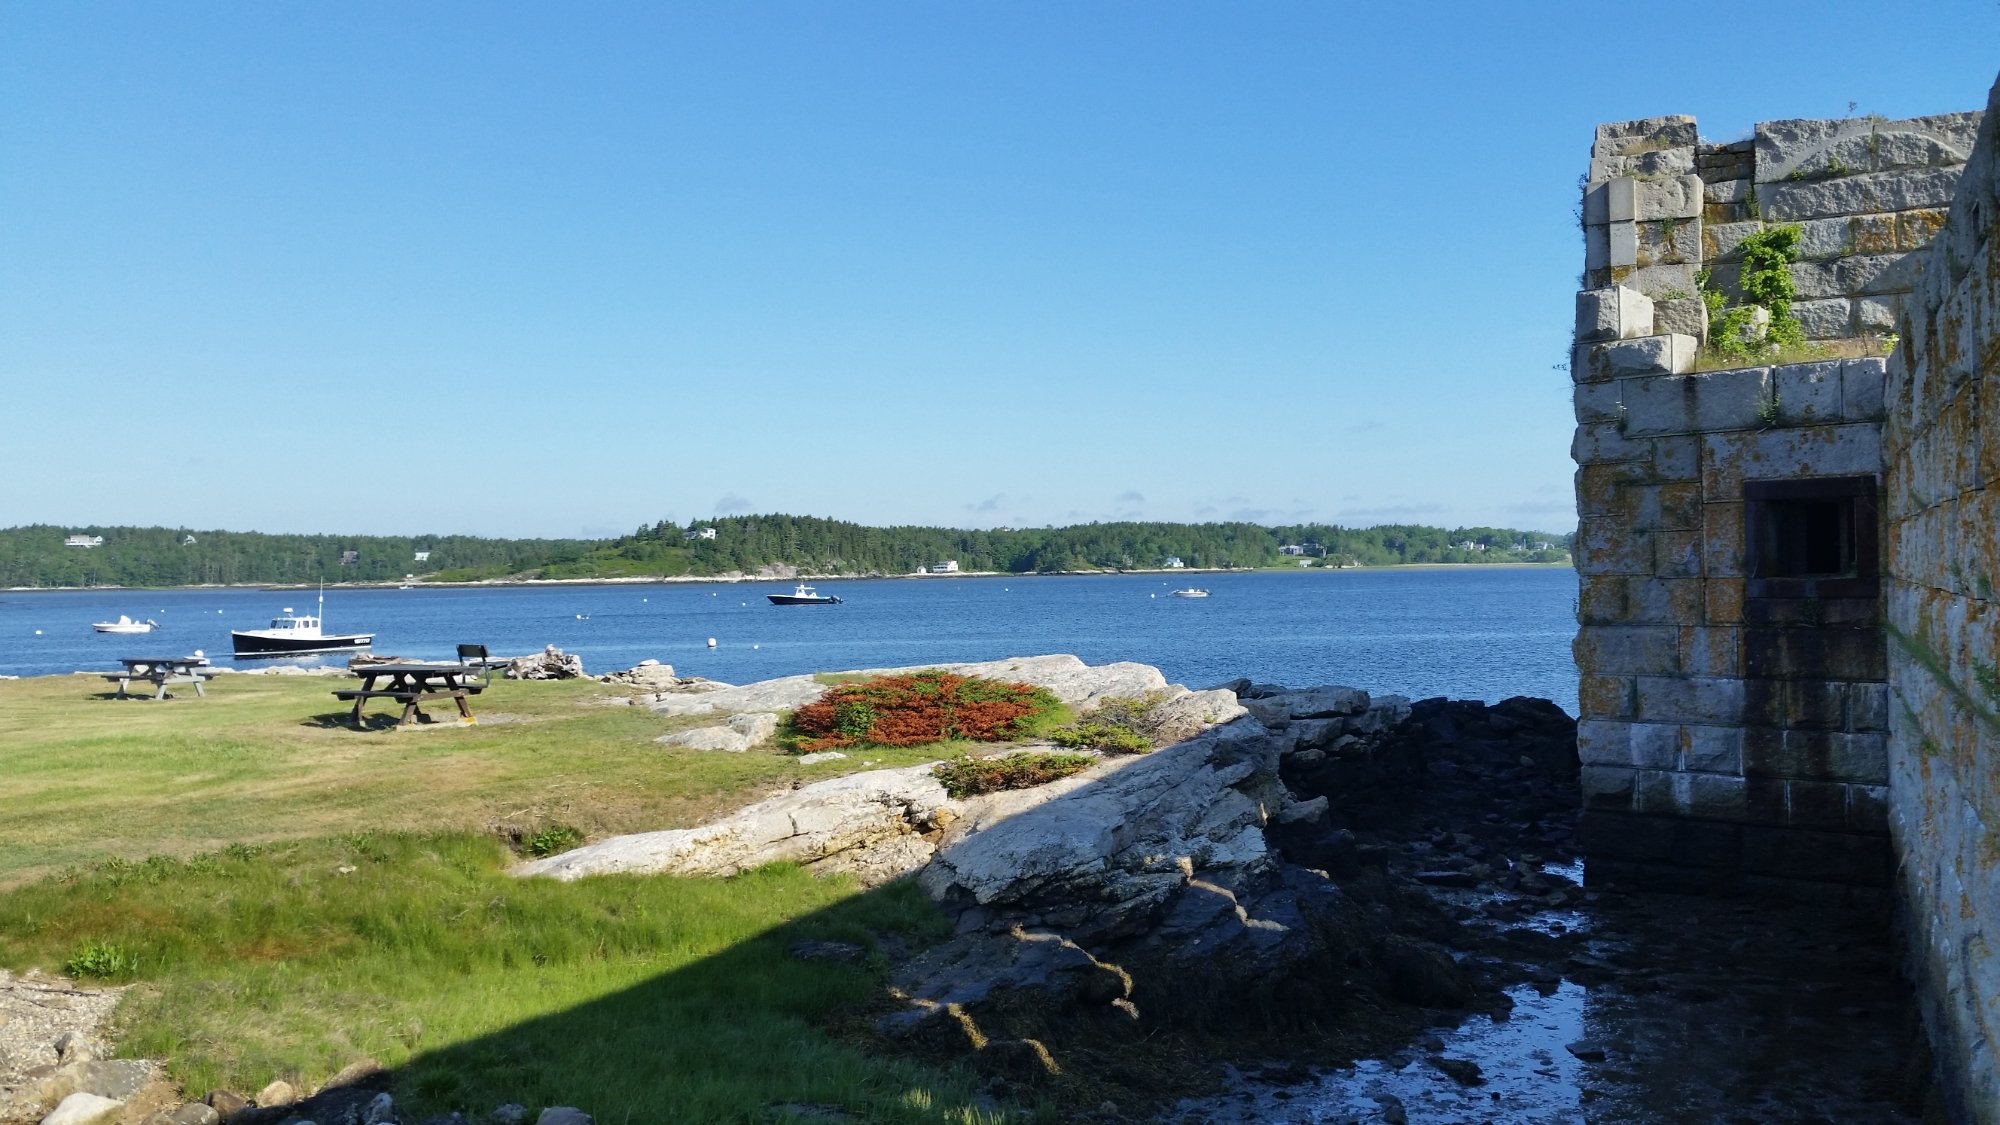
x=564 y=269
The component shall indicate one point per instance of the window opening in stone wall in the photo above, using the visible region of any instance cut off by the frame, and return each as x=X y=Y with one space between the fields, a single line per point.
x=1815 y=537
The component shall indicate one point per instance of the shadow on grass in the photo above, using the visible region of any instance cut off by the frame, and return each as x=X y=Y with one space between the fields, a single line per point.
x=377 y=720
x=751 y=1033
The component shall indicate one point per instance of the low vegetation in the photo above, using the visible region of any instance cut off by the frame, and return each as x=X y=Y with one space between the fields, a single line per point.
x=1123 y=725
x=923 y=707
x=676 y=995
x=968 y=777
x=288 y=895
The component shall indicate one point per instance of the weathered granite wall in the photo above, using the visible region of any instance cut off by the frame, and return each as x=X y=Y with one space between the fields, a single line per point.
x=1734 y=698
x=1942 y=538
x=1661 y=206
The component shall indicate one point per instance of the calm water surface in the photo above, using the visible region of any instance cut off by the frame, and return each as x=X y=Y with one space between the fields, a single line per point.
x=1471 y=632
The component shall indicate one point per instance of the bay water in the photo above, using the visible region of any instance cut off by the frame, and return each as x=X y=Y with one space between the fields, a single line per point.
x=1468 y=632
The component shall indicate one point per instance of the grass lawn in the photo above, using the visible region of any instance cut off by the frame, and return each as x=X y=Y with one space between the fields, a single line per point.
x=289 y=895
x=84 y=778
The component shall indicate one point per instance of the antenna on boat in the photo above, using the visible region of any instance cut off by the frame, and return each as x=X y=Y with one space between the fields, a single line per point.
x=322 y=603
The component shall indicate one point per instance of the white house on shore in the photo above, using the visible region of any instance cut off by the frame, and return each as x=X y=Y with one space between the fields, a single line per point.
x=948 y=566
x=692 y=534
x=84 y=541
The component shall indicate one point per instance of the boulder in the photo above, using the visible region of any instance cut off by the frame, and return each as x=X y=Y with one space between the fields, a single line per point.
x=648 y=674
x=1184 y=714
x=276 y=1092
x=788 y=693
x=549 y=664
x=739 y=733
x=864 y=822
x=1069 y=679
x=85 y=1109
x=563 y=1115
x=1137 y=816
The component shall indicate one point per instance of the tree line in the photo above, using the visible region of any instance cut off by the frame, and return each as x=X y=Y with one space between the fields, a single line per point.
x=38 y=556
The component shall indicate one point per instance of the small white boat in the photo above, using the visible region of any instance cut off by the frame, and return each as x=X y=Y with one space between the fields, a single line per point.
x=1190 y=592
x=124 y=624
x=804 y=595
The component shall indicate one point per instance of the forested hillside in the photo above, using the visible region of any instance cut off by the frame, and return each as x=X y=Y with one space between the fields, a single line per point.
x=159 y=556
x=37 y=556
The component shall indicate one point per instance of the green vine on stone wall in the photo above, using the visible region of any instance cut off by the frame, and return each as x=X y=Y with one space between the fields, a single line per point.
x=1767 y=284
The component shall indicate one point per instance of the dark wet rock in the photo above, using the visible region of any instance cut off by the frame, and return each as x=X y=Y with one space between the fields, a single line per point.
x=1424 y=974
x=1447 y=878
x=1588 y=1050
x=1465 y=1072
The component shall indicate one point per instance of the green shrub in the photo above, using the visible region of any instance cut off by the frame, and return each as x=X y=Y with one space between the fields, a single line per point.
x=1108 y=737
x=966 y=777
x=101 y=960
x=555 y=838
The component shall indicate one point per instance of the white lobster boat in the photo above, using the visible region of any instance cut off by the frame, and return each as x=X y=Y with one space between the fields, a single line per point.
x=294 y=634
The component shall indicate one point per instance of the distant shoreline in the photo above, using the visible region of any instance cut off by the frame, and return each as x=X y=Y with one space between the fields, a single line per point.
x=725 y=580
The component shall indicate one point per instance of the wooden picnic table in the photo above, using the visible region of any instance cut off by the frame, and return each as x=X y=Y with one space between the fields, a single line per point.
x=161 y=671
x=410 y=684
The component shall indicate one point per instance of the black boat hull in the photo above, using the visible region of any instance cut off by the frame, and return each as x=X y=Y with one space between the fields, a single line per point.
x=248 y=646
x=793 y=599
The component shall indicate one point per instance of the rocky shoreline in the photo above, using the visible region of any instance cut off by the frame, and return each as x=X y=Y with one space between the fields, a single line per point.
x=1308 y=877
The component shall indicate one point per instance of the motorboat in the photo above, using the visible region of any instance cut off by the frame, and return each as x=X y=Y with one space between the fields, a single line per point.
x=294 y=634
x=125 y=624
x=804 y=595
x=1190 y=592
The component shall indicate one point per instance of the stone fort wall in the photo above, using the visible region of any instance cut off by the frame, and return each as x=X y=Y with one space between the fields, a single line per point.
x=1941 y=508
x=1788 y=634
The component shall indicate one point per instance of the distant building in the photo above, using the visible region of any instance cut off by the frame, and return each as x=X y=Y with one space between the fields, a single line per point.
x=187 y=540
x=948 y=566
x=349 y=558
x=691 y=534
x=1305 y=562
x=423 y=556
x=1291 y=549
x=84 y=541
x=1174 y=562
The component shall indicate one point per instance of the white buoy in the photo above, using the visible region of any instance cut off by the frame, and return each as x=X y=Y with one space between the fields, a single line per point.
x=38 y=632
x=754 y=648
x=711 y=642
x=1152 y=595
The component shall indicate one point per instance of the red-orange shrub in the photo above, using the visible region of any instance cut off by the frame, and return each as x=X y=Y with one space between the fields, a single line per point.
x=927 y=706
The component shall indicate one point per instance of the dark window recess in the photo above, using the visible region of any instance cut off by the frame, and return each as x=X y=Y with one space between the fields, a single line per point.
x=1811 y=538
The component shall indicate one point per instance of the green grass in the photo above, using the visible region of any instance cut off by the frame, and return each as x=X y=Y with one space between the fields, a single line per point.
x=637 y=999
x=84 y=778
x=289 y=894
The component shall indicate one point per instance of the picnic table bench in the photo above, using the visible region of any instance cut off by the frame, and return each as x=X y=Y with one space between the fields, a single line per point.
x=161 y=671
x=410 y=685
